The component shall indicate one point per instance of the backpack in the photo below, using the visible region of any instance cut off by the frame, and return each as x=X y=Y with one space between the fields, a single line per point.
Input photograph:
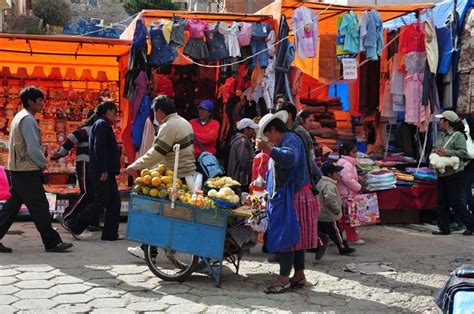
x=457 y=295
x=209 y=166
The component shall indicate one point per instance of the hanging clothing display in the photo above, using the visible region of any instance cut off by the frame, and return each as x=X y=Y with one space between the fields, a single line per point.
x=216 y=44
x=281 y=61
x=372 y=34
x=196 y=47
x=177 y=33
x=269 y=84
x=369 y=88
x=137 y=60
x=414 y=111
x=260 y=32
x=141 y=89
x=466 y=67
x=342 y=53
x=161 y=51
x=445 y=51
x=304 y=24
x=350 y=29
x=232 y=41
x=139 y=123
x=412 y=39
x=271 y=39
x=431 y=44
x=244 y=35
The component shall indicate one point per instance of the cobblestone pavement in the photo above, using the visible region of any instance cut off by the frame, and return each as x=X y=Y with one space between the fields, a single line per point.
x=104 y=278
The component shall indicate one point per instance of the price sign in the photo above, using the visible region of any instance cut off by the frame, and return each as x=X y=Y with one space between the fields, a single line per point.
x=349 y=69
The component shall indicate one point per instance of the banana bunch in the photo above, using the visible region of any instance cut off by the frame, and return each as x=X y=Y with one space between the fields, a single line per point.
x=221 y=182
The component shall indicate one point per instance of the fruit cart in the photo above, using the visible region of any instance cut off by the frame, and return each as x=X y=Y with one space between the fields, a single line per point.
x=180 y=238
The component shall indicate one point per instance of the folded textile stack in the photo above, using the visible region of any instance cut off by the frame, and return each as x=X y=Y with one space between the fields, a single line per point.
x=363 y=162
x=404 y=179
x=423 y=175
x=378 y=180
x=329 y=142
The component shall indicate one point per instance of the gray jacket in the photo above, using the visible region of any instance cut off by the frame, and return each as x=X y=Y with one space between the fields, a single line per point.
x=240 y=159
x=329 y=199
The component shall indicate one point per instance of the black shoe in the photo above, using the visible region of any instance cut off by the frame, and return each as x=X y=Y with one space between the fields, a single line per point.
x=440 y=232
x=321 y=250
x=95 y=228
x=467 y=232
x=346 y=251
x=4 y=249
x=61 y=247
x=274 y=259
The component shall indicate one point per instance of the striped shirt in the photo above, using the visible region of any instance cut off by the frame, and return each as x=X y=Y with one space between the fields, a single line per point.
x=79 y=139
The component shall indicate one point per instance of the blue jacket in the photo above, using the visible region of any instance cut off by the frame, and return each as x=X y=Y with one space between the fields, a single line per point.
x=104 y=154
x=139 y=124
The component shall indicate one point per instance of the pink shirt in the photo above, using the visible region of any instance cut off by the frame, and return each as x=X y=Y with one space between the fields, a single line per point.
x=245 y=34
x=196 y=28
x=348 y=182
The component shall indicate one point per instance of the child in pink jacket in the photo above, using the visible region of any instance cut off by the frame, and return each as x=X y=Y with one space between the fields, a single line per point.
x=348 y=184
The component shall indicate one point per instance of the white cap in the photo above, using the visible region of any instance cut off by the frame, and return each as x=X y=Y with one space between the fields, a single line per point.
x=246 y=123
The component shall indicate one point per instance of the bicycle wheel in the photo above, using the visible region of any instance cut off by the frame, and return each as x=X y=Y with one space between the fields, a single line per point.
x=170 y=265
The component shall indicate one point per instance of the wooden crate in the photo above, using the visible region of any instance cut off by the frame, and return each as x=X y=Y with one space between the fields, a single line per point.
x=179 y=211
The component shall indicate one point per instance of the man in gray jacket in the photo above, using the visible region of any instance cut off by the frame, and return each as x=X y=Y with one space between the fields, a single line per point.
x=26 y=163
x=241 y=153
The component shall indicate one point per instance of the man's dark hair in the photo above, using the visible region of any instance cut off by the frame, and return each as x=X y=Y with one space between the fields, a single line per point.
x=279 y=125
x=102 y=108
x=285 y=98
x=165 y=104
x=290 y=108
x=30 y=93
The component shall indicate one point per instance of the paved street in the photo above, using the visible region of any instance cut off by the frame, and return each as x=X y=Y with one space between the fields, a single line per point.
x=104 y=278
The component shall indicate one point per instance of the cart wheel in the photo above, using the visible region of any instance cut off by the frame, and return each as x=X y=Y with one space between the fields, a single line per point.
x=170 y=265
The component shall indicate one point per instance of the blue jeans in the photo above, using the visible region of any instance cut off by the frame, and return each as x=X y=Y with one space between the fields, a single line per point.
x=289 y=260
x=258 y=45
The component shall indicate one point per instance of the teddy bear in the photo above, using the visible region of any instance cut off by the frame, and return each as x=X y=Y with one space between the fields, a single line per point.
x=440 y=163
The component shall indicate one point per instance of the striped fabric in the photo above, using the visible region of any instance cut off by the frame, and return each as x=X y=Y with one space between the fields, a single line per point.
x=80 y=139
x=307 y=209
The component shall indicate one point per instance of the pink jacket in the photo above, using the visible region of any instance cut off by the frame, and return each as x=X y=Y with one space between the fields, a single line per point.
x=348 y=183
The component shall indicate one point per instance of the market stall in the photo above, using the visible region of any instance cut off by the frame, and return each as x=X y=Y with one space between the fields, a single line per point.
x=75 y=73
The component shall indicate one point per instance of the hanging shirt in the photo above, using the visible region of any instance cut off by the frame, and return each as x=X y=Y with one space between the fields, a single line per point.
x=232 y=40
x=412 y=39
x=445 y=50
x=196 y=28
x=414 y=111
x=350 y=29
x=431 y=43
x=245 y=34
x=373 y=41
x=216 y=45
x=304 y=24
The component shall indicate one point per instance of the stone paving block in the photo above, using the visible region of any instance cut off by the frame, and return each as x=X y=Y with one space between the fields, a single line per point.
x=8 y=290
x=8 y=280
x=107 y=303
x=73 y=308
x=35 y=268
x=105 y=292
x=186 y=308
x=71 y=298
x=178 y=299
x=113 y=310
x=133 y=278
x=7 y=309
x=34 y=284
x=7 y=299
x=172 y=289
x=8 y=272
x=103 y=282
x=35 y=276
x=71 y=288
x=129 y=269
x=147 y=306
x=34 y=304
x=66 y=279
x=98 y=274
x=135 y=287
x=36 y=294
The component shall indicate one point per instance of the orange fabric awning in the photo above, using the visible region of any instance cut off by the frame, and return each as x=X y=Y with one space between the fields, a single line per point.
x=82 y=53
x=327 y=26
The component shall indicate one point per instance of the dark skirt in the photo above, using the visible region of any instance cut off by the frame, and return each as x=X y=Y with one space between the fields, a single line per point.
x=196 y=49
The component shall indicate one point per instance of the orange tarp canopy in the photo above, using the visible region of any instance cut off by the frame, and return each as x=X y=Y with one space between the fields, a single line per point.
x=95 y=54
x=328 y=15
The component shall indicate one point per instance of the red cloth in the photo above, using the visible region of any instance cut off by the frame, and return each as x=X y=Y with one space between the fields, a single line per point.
x=162 y=85
x=420 y=197
x=412 y=38
x=260 y=166
x=206 y=134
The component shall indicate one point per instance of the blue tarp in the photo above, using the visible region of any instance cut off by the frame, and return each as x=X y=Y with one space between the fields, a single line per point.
x=441 y=13
x=340 y=90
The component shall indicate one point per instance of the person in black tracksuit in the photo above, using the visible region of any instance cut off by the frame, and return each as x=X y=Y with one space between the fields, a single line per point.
x=104 y=165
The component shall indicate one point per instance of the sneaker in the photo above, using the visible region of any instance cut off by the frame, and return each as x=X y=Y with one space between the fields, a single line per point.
x=63 y=223
x=358 y=242
x=440 y=232
x=83 y=236
x=321 y=250
x=346 y=251
x=61 y=247
x=467 y=232
x=136 y=251
x=4 y=249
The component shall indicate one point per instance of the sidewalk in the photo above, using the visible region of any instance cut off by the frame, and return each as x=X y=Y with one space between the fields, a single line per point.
x=104 y=278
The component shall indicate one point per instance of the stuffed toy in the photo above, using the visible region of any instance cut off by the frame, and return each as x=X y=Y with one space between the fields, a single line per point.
x=440 y=163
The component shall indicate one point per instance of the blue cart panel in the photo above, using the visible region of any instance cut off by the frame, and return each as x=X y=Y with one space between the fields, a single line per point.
x=185 y=228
